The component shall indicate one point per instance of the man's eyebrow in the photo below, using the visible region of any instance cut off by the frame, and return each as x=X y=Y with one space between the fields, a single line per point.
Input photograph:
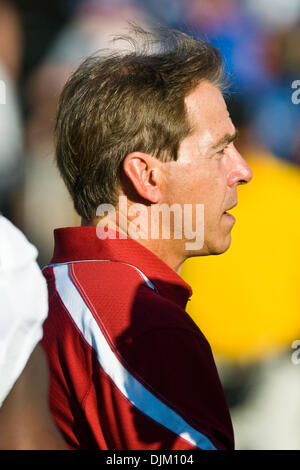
x=226 y=139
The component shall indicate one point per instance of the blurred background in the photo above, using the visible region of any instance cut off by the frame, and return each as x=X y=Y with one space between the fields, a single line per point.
x=247 y=301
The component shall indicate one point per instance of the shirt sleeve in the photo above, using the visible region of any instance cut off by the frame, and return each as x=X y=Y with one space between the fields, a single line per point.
x=170 y=396
x=178 y=368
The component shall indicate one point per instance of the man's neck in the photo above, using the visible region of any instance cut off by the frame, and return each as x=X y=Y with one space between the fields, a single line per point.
x=167 y=250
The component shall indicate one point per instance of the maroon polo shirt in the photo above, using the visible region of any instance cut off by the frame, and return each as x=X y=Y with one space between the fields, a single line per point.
x=129 y=369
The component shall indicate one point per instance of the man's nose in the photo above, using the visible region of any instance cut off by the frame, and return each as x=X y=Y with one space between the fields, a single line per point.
x=241 y=172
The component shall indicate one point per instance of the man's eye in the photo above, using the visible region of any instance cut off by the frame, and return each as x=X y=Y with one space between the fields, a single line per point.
x=220 y=153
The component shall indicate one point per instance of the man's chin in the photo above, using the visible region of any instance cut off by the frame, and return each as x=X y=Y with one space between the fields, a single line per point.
x=215 y=248
x=220 y=247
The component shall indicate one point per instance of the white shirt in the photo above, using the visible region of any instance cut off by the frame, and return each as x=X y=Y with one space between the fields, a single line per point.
x=23 y=304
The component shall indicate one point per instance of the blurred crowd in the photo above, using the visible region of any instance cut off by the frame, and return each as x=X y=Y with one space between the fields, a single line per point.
x=254 y=319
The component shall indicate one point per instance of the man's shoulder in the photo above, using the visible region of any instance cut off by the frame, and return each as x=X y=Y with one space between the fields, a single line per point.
x=97 y=280
x=118 y=296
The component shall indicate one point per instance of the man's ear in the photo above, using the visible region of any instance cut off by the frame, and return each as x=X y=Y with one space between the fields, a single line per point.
x=145 y=174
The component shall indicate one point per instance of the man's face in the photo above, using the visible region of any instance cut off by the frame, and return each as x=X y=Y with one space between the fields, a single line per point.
x=209 y=168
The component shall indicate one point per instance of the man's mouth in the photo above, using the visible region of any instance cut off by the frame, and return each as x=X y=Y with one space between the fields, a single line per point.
x=227 y=213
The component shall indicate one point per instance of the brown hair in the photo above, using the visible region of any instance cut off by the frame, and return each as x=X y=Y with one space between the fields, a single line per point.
x=122 y=102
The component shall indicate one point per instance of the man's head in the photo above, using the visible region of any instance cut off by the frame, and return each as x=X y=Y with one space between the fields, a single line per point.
x=144 y=124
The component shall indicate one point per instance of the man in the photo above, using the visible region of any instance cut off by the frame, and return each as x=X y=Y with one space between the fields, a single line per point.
x=25 y=419
x=136 y=131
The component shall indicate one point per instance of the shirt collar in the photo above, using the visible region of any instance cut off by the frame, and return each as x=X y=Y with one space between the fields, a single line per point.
x=82 y=243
